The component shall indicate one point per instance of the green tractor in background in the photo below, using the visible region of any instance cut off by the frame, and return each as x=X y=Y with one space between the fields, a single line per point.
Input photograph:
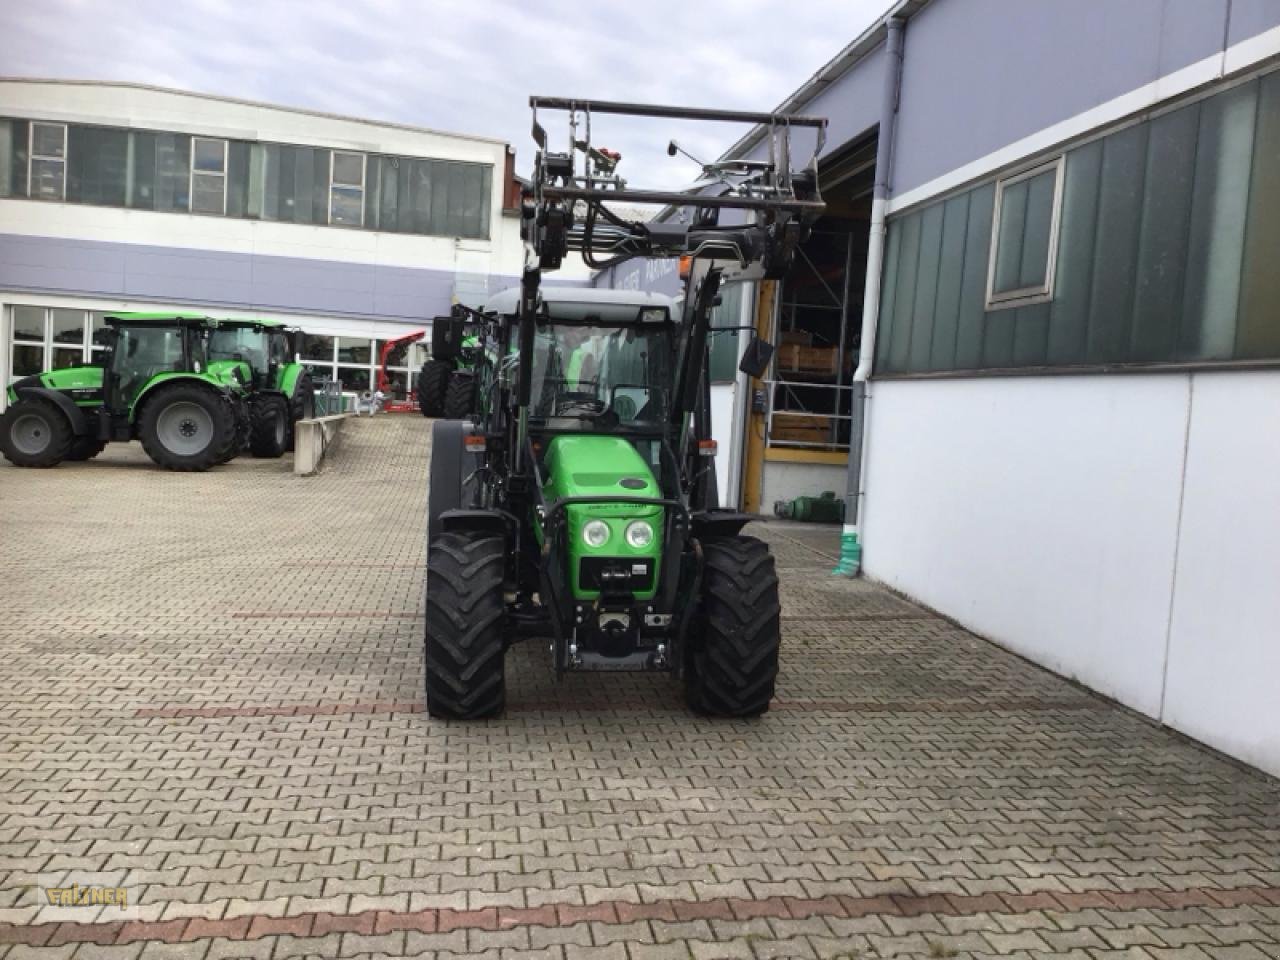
x=447 y=381
x=280 y=390
x=155 y=384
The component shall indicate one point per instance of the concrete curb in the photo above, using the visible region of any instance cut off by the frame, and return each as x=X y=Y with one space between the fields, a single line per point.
x=314 y=440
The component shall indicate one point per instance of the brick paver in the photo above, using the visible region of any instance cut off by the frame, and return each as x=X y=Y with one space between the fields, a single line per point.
x=212 y=695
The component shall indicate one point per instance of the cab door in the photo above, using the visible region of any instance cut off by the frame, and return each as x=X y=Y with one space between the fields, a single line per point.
x=139 y=354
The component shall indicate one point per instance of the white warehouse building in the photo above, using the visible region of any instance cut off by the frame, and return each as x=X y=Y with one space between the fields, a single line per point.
x=1048 y=261
x=119 y=197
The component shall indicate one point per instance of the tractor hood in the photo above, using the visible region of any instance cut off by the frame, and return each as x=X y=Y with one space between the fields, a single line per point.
x=83 y=384
x=235 y=374
x=599 y=466
x=591 y=465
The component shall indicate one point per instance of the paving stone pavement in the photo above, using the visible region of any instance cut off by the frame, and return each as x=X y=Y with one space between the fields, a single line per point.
x=212 y=697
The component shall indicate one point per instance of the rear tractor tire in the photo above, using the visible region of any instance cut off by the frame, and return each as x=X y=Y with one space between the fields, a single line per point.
x=466 y=612
x=733 y=663
x=460 y=399
x=269 y=433
x=35 y=433
x=187 y=427
x=433 y=385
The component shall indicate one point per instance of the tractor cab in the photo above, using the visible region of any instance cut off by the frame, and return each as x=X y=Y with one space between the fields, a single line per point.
x=144 y=350
x=265 y=345
x=602 y=367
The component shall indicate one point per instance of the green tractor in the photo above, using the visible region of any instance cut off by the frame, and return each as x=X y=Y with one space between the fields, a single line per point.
x=280 y=391
x=579 y=504
x=447 y=382
x=155 y=384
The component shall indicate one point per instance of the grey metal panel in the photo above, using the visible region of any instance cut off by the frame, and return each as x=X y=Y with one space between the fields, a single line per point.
x=850 y=104
x=1191 y=30
x=981 y=74
x=1252 y=17
x=405 y=292
x=47 y=262
x=187 y=275
x=236 y=281
x=318 y=285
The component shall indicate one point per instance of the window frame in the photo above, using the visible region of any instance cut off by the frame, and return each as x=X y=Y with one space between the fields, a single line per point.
x=1025 y=296
x=364 y=184
x=193 y=173
x=32 y=156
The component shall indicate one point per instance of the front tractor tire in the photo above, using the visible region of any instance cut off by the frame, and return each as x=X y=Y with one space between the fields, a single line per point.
x=733 y=664
x=459 y=401
x=269 y=431
x=187 y=427
x=466 y=611
x=433 y=385
x=35 y=433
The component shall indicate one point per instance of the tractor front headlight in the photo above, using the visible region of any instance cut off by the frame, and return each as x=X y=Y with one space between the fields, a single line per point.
x=595 y=533
x=639 y=534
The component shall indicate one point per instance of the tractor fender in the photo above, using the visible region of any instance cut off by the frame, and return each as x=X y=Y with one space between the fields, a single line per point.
x=165 y=378
x=288 y=378
x=75 y=416
x=719 y=523
x=498 y=522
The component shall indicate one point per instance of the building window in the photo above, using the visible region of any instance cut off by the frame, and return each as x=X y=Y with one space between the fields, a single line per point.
x=1024 y=237
x=97 y=166
x=346 y=189
x=47 y=163
x=208 y=175
x=26 y=355
x=45 y=339
x=355 y=350
x=354 y=379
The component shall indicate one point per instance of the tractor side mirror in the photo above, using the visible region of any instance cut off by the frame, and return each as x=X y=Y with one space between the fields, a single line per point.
x=447 y=334
x=755 y=359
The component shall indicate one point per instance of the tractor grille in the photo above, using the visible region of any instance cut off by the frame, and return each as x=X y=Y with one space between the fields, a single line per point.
x=626 y=573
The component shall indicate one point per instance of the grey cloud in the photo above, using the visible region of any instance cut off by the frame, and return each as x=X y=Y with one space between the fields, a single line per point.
x=460 y=67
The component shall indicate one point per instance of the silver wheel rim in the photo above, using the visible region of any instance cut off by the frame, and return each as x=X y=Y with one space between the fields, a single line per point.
x=185 y=428
x=280 y=428
x=31 y=434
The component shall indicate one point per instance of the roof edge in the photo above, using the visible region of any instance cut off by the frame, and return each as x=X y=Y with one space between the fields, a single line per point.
x=239 y=101
x=832 y=70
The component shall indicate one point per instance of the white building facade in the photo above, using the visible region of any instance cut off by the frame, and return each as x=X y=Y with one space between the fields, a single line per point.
x=117 y=197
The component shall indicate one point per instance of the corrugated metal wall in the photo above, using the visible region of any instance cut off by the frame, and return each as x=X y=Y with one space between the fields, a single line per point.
x=1169 y=231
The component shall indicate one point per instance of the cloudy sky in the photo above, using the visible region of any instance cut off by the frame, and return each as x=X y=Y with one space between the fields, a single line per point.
x=461 y=67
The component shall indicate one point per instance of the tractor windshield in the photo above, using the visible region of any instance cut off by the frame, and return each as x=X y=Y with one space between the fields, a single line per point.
x=144 y=351
x=244 y=343
x=588 y=376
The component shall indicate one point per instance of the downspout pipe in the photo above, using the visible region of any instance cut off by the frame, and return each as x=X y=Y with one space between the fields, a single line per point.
x=850 y=542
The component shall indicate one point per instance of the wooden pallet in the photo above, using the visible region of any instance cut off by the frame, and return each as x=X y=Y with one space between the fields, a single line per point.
x=807 y=428
x=794 y=358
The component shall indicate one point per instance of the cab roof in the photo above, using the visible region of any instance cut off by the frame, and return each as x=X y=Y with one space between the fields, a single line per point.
x=612 y=305
x=161 y=318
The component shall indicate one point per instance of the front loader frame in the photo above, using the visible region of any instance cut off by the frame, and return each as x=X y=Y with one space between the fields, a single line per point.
x=564 y=210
